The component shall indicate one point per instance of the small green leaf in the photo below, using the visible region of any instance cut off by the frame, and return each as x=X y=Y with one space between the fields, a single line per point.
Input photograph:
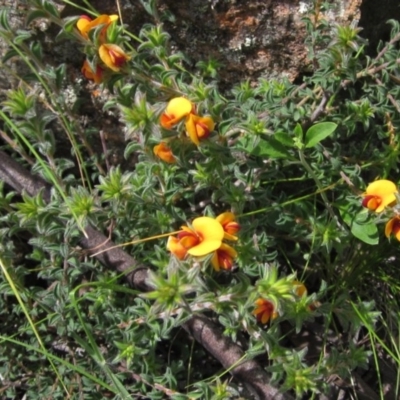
x=36 y=48
x=263 y=147
x=284 y=138
x=22 y=35
x=60 y=72
x=10 y=54
x=70 y=23
x=4 y=18
x=298 y=131
x=51 y=9
x=319 y=132
x=368 y=233
x=361 y=225
x=35 y=14
x=271 y=148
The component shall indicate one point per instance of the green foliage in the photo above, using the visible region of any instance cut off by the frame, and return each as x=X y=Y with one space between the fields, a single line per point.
x=290 y=161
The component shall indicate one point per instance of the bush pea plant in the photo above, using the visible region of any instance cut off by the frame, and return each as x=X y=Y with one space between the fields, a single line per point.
x=269 y=212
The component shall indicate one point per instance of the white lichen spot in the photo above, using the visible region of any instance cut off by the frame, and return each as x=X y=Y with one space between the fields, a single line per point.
x=70 y=95
x=43 y=26
x=304 y=7
x=249 y=41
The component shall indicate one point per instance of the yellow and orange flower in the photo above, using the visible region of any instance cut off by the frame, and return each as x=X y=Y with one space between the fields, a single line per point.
x=265 y=311
x=177 y=109
x=299 y=288
x=229 y=224
x=199 y=128
x=88 y=73
x=379 y=194
x=204 y=237
x=223 y=257
x=113 y=56
x=164 y=152
x=393 y=227
x=85 y=24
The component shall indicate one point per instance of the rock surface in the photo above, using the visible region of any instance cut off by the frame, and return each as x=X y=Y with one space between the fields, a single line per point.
x=251 y=39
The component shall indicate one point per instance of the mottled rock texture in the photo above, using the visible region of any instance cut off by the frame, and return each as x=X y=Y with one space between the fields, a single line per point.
x=250 y=38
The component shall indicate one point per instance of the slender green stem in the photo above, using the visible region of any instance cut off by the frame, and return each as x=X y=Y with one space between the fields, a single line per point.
x=31 y=323
x=328 y=205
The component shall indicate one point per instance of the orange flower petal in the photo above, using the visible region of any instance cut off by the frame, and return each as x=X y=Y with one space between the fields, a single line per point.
x=189 y=241
x=85 y=23
x=174 y=246
x=265 y=310
x=223 y=257
x=389 y=227
x=393 y=227
x=227 y=220
x=164 y=152
x=113 y=56
x=265 y=317
x=199 y=127
x=88 y=73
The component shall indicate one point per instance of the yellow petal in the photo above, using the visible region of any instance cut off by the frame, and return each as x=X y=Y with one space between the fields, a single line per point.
x=113 y=56
x=204 y=248
x=225 y=217
x=386 y=200
x=383 y=188
x=208 y=228
x=191 y=129
x=389 y=227
x=179 y=107
x=82 y=25
x=229 y=250
x=215 y=262
x=211 y=234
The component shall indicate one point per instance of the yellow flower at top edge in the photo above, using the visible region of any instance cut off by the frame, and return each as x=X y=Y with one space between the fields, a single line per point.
x=163 y=152
x=199 y=128
x=265 y=311
x=204 y=237
x=85 y=24
x=393 y=227
x=223 y=257
x=177 y=109
x=230 y=226
x=379 y=194
x=113 y=56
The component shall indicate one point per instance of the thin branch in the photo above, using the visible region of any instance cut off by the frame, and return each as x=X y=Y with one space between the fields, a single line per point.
x=206 y=332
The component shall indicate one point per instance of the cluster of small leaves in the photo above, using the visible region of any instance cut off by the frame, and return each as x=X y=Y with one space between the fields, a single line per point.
x=289 y=159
